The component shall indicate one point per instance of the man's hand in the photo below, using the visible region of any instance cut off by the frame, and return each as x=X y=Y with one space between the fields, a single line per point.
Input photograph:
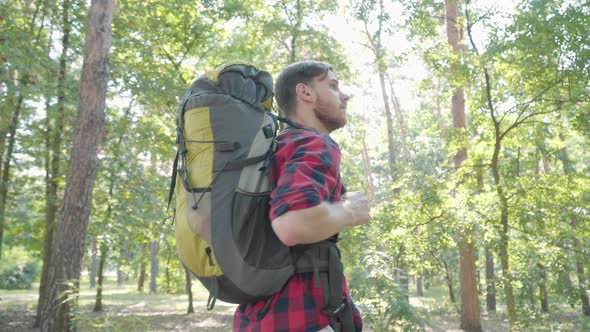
x=357 y=205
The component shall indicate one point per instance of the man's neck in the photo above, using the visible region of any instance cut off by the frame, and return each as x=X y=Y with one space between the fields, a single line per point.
x=307 y=119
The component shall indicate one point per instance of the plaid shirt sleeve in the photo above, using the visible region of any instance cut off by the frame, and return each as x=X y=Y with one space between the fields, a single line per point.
x=305 y=172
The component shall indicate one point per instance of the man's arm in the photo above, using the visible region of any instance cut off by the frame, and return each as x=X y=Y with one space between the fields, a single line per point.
x=322 y=221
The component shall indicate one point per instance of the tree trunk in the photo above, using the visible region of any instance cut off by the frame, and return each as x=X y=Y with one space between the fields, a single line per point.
x=403 y=131
x=53 y=144
x=119 y=276
x=6 y=166
x=389 y=119
x=403 y=275
x=93 y=264
x=189 y=290
x=60 y=304
x=103 y=258
x=470 y=313
x=490 y=282
x=504 y=236
x=367 y=170
x=449 y=280
x=141 y=279
x=543 y=288
x=419 y=288
x=470 y=320
x=155 y=264
x=579 y=260
x=296 y=31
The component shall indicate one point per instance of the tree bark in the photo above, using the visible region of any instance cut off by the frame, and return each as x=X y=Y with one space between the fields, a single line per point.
x=141 y=279
x=367 y=169
x=6 y=166
x=155 y=264
x=53 y=144
x=470 y=319
x=403 y=131
x=579 y=259
x=103 y=258
x=419 y=288
x=543 y=288
x=60 y=304
x=470 y=312
x=119 y=276
x=189 y=290
x=93 y=264
x=490 y=282
x=449 y=280
x=389 y=118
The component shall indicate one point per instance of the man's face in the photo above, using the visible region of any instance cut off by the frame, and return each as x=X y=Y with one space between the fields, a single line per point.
x=330 y=104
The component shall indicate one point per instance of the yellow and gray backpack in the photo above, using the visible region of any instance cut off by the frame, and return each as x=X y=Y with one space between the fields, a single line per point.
x=226 y=134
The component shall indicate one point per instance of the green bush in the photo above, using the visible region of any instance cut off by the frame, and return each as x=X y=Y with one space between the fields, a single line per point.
x=18 y=269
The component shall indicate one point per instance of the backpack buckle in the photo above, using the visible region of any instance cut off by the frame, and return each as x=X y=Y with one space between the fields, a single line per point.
x=331 y=311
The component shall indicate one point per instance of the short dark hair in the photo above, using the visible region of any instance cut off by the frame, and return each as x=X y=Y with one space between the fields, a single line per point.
x=298 y=72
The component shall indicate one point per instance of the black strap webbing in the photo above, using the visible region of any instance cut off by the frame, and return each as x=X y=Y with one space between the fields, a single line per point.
x=323 y=259
x=173 y=181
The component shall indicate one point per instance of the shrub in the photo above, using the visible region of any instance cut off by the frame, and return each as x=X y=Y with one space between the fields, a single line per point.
x=18 y=269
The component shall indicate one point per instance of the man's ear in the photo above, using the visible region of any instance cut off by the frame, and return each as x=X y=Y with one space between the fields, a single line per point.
x=305 y=92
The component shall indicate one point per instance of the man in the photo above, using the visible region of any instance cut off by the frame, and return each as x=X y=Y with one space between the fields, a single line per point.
x=307 y=204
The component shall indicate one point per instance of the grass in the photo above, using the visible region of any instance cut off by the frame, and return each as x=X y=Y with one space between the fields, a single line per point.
x=125 y=309
x=443 y=315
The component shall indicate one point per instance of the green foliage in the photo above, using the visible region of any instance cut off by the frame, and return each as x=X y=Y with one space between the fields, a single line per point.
x=18 y=270
x=382 y=300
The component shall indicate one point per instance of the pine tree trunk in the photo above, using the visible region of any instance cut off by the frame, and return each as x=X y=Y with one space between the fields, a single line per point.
x=390 y=135
x=93 y=264
x=403 y=131
x=119 y=276
x=449 y=280
x=419 y=288
x=155 y=263
x=490 y=282
x=103 y=258
x=6 y=166
x=60 y=304
x=543 y=288
x=53 y=144
x=470 y=312
x=579 y=260
x=470 y=320
x=504 y=236
x=189 y=290
x=141 y=279
x=367 y=170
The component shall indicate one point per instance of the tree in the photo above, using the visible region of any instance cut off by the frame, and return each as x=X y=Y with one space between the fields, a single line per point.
x=59 y=307
x=470 y=320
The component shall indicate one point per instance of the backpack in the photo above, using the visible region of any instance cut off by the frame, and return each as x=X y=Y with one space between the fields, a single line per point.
x=226 y=134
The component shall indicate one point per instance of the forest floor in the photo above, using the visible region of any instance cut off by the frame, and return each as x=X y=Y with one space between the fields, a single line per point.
x=124 y=309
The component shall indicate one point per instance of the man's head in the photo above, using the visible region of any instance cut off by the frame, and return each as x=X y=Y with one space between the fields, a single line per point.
x=309 y=91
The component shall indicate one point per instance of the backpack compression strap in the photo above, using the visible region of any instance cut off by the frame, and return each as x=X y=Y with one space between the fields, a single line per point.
x=323 y=260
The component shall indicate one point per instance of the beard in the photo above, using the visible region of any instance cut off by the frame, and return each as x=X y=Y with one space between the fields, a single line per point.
x=331 y=116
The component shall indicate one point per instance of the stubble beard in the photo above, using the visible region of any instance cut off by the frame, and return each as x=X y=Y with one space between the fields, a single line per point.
x=331 y=119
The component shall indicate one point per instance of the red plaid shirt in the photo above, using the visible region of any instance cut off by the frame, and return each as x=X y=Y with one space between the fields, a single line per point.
x=304 y=173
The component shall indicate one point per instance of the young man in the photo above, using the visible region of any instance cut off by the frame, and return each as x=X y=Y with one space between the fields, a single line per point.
x=308 y=205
